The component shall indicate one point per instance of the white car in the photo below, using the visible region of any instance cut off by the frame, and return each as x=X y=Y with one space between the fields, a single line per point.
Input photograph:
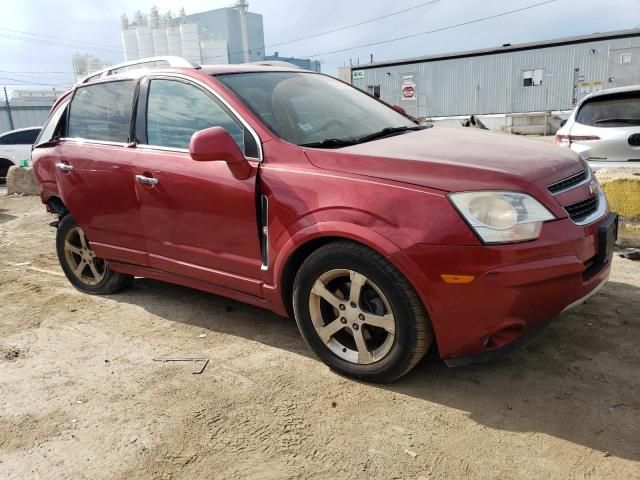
x=605 y=126
x=15 y=146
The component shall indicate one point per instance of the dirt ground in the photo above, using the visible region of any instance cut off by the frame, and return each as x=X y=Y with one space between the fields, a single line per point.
x=82 y=398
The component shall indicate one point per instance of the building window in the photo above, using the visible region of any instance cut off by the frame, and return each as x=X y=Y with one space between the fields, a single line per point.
x=374 y=90
x=532 y=78
x=625 y=58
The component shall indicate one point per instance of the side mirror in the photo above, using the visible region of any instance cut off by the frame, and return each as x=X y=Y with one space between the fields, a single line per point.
x=399 y=109
x=216 y=145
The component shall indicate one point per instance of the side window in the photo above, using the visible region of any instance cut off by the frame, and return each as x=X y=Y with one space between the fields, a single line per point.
x=24 y=137
x=102 y=111
x=31 y=135
x=176 y=110
x=50 y=129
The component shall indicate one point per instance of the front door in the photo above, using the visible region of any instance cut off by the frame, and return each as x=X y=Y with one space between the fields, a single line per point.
x=199 y=220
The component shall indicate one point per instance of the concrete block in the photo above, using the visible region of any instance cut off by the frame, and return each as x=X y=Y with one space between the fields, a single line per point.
x=22 y=180
x=622 y=187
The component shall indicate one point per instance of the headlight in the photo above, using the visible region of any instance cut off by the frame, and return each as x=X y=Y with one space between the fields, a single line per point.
x=502 y=217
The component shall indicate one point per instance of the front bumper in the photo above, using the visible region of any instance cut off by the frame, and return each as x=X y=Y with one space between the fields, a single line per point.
x=517 y=289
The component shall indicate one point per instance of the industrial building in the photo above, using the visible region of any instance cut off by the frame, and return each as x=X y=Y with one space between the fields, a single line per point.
x=158 y=35
x=304 y=63
x=220 y=36
x=524 y=88
x=26 y=108
x=86 y=63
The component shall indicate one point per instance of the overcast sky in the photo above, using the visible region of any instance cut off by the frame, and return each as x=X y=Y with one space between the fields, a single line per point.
x=98 y=22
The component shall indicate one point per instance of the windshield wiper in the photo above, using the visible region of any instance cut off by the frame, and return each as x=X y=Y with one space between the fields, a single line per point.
x=387 y=132
x=331 y=143
x=619 y=120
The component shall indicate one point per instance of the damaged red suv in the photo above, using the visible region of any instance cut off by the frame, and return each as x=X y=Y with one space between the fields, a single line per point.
x=295 y=192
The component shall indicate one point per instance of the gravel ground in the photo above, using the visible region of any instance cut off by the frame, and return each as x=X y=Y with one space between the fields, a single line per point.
x=81 y=397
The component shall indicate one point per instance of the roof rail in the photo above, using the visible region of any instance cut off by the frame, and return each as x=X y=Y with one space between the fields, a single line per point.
x=150 y=62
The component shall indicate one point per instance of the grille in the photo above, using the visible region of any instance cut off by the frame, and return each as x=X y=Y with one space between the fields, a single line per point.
x=581 y=210
x=569 y=183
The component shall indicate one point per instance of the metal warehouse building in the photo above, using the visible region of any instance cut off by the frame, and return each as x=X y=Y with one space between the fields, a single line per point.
x=521 y=88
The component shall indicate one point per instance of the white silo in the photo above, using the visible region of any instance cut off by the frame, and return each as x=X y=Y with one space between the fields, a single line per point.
x=145 y=41
x=160 y=43
x=214 y=51
x=130 y=44
x=243 y=7
x=174 y=42
x=190 y=42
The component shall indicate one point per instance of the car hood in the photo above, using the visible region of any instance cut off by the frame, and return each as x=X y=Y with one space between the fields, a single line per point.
x=455 y=159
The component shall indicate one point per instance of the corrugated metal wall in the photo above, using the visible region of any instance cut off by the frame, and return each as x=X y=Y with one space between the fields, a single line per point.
x=494 y=83
x=23 y=117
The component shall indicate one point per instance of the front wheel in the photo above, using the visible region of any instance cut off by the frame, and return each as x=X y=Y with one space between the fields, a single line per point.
x=84 y=270
x=359 y=314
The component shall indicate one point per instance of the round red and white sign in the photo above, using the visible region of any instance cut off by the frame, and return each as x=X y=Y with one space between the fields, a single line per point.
x=408 y=92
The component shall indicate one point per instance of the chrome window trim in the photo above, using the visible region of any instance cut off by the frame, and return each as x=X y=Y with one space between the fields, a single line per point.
x=206 y=87
x=96 y=142
x=588 y=179
x=601 y=211
x=144 y=146
x=160 y=148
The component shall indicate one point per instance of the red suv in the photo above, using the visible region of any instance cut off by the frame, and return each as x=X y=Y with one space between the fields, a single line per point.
x=295 y=192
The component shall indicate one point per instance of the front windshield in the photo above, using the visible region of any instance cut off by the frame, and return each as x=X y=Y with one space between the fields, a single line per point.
x=314 y=110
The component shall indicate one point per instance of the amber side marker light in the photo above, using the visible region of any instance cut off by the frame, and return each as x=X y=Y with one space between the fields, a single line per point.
x=458 y=279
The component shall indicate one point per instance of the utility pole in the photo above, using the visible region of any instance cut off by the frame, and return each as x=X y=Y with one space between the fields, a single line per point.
x=6 y=101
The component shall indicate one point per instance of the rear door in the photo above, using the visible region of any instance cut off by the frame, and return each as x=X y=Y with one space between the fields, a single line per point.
x=94 y=169
x=199 y=220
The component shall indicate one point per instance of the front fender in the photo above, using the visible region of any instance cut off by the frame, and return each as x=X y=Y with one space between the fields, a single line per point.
x=331 y=229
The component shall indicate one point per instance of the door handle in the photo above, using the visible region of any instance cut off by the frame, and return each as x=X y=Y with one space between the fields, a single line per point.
x=146 y=180
x=65 y=167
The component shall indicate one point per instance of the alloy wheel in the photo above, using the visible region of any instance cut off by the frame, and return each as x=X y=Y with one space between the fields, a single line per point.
x=352 y=316
x=81 y=259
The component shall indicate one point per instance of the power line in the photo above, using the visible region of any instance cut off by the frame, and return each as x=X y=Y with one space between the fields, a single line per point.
x=346 y=27
x=36 y=73
x=27 y=82
x=60 y=38
x=42 y=41
x=433 y=31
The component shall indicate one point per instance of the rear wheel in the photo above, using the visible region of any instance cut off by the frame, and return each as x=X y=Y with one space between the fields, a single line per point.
x=84 y=270
x=4 y=169
x=359 y=314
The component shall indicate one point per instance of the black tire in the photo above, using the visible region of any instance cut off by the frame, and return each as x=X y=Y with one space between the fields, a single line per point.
x=107 y=283
x=413 y=332
x=4 y=169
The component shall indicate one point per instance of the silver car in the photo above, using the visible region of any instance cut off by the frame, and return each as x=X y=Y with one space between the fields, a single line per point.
x=605 y=126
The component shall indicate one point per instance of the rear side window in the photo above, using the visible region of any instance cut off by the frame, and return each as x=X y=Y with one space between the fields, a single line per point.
x=24 y=137
x=102 y=111
x=616 y=110
x=176 y=110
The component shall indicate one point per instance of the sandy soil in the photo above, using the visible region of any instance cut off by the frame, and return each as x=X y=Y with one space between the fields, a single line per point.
x=81 y=398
